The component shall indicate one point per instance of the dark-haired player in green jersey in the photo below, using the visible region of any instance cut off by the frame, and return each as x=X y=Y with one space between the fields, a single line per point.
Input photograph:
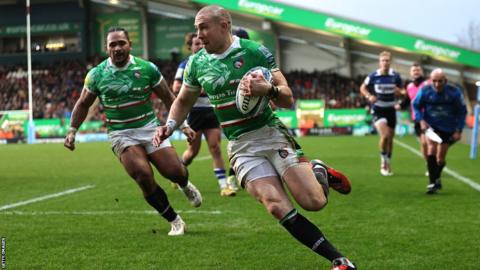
x=124 y=84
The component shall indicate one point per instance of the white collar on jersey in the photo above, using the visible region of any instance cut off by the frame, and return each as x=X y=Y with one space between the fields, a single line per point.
x=131 y=60
x=235 y=44
x=390 y=72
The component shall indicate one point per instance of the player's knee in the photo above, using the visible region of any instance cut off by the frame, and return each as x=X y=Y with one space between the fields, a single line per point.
x=275 y=208
x=214 y=149
x=176 y=173
x=141 y=175
x=313 y=203
x=145 y=180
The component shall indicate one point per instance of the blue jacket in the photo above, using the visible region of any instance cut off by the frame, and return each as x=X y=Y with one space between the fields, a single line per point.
x=445 y=110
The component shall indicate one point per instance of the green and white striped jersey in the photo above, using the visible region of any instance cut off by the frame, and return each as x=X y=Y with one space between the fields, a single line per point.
x=219 y=76
x=125 y=92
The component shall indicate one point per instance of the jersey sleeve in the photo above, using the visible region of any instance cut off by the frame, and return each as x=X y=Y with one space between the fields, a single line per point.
x=266 y=58
x=461 y=109
x=368 y=80
x=418 y=105
x=155 y=77
x=190 y=75
x=90 y=83
x=180 y=70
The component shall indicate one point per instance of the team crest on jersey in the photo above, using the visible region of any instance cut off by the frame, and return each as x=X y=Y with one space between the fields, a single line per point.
x=283 y=153
x=137 y=74
x=238 y=63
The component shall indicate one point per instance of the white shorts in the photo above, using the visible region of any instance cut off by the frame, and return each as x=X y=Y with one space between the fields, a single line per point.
x=264 y=152
x=121 y=139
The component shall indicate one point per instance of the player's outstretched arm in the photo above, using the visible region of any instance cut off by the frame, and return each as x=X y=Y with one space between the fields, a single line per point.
x=181 y=106
x=80 y=111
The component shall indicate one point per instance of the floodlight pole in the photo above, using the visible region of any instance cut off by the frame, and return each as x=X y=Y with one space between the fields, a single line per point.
x=31 y=125
x=476 y=112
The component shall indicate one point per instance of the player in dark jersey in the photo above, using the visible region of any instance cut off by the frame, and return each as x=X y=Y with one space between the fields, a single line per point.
x=441 y=108
x=380 y=88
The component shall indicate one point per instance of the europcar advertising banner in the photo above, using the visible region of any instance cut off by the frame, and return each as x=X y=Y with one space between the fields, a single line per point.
x=344 y=117
x=336 y=25
x=311 y=105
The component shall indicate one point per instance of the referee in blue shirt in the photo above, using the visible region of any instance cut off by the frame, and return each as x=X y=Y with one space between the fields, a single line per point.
x=380 y=88
x=440 y=107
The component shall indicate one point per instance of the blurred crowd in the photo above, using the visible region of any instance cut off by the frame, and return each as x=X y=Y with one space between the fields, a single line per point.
x=336 y=90
x=56 y=87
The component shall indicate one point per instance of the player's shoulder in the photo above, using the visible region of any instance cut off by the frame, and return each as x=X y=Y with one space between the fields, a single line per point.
x=198 y=57
x=137 y=61
x=100 y=67
x=94 y=73
x=373 y=74
x=428 y=90
x=255 y=47
x=249 y=44
x=453 y=89
x=145 y=65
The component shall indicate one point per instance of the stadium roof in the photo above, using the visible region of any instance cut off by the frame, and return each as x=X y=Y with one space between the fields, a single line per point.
x=355 y=30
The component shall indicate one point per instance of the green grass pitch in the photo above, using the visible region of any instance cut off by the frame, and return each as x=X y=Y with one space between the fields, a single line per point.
x=385 y=223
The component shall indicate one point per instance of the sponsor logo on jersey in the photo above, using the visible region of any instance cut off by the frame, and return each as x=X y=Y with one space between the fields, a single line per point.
x=137 y=74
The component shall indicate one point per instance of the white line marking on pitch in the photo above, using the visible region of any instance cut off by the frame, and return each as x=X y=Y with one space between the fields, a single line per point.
x=450 y=172
x=102 y=213
x=46 y=197
x=203 y=158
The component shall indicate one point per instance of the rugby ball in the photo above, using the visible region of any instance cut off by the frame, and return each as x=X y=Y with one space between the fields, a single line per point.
x=432 y=135
x=253 y=105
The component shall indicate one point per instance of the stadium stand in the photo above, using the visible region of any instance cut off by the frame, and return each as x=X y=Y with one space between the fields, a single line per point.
x=57 y=86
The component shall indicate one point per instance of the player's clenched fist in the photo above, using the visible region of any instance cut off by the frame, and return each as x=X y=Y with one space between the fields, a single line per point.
x=190 y=133
x=70 y=139
x=161 y=134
